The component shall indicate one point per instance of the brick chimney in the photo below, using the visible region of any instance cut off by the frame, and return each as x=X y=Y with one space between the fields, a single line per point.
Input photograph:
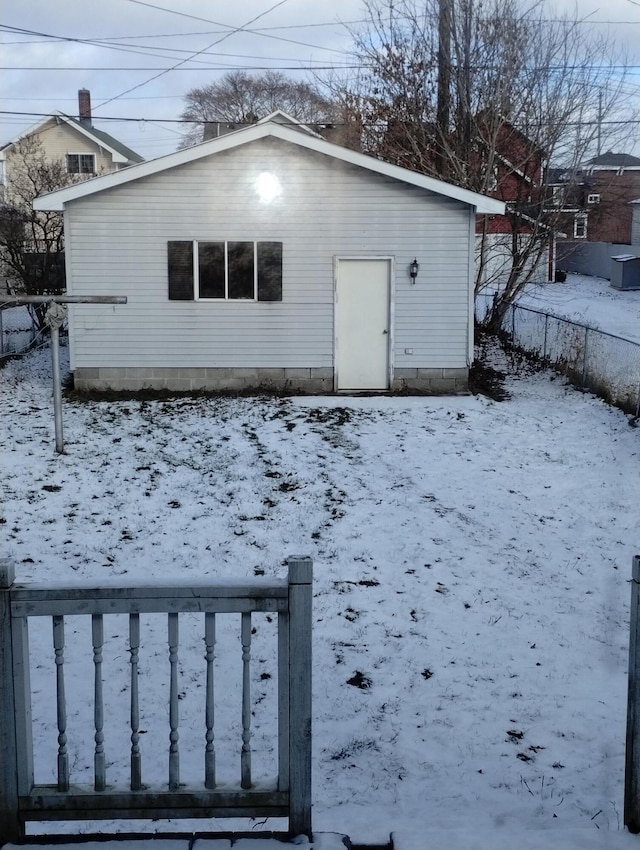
x=84 y=106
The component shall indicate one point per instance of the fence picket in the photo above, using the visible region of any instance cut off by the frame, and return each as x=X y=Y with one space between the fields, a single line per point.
x=209 y=750
x=174 y=754
x=134 y=650
x=245 y=756
x=97 y=635
x=61 y=704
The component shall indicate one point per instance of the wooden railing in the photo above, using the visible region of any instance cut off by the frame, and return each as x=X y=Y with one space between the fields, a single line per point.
x=286 y=795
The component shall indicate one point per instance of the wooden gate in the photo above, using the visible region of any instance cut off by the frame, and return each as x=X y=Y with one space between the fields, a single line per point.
x=287 y=795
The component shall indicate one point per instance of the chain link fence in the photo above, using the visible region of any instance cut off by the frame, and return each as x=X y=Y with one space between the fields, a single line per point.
x=18 y=331
x=601 y=362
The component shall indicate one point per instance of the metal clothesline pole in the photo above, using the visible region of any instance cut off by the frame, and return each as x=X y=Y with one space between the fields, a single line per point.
x=56 y=314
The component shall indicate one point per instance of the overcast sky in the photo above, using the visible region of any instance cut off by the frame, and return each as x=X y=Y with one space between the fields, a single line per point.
x=41 y=74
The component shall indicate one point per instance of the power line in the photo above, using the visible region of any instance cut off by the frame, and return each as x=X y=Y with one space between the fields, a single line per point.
x=197 y=53
x=360 y=65
x=141 y=120
x=257 y=31
x=150 y=51
x=109 y=44
x=218 y=66
x=103 y=43
x=218 y=24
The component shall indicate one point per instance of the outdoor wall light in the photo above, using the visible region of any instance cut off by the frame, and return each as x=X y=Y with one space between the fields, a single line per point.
x=414 y=268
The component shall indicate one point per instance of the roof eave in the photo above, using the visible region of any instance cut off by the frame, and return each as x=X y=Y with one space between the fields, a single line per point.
x=56 y=200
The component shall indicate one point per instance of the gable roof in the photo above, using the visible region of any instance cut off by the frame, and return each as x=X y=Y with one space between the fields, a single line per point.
x=271 y=129
x=106 y=140
x=280 y=117
x=614 y=160
x=119 y=152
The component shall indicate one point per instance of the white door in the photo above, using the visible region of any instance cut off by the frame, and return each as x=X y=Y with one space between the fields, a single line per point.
x=362 y=324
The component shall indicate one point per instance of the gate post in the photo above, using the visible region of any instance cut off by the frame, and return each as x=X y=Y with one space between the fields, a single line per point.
x=11 y=828
x=300 y=599
x=632 y=755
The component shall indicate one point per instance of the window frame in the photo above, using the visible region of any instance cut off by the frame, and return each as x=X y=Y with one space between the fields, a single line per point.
x=183 y=270
x=580 y=222
x=593 y=198
x=79 y=155
x=225 y=242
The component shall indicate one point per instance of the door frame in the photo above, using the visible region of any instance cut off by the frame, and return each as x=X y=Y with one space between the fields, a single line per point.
x=337 y=258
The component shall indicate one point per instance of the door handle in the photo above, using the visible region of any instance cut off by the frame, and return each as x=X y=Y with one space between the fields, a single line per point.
x=385 y=332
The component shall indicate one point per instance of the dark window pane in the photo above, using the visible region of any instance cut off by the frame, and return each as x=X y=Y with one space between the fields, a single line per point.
x=240 y=269
x=211 y=266
x=269 y=271
x=180 y=256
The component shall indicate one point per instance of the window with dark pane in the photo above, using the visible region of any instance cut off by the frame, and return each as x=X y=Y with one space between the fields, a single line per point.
x=269 y=271
x=81 y=163
x=211 y=270
x=241 y=270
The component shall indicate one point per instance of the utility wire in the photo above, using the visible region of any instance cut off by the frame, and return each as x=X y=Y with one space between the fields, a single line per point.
x=218 y=24
x=197 y=53
x=594 y=122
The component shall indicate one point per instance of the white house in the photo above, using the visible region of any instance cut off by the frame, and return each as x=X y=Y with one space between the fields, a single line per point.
x=270 y=257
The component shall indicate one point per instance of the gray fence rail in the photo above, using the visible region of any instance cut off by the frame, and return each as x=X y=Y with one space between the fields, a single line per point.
x=601 y=362
x=23 y=799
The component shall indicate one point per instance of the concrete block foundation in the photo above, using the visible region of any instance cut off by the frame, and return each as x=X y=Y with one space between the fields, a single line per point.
x=311 y=381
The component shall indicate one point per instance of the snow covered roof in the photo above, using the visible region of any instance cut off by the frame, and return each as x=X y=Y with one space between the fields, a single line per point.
x=275 y=129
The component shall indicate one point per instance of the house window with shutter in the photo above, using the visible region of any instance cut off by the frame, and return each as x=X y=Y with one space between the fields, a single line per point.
x=225 y=271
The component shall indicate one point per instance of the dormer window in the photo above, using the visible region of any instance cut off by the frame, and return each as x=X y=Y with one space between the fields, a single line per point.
x=81 y=163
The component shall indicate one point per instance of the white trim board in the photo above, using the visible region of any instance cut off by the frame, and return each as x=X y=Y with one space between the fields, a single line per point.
x=57 y=200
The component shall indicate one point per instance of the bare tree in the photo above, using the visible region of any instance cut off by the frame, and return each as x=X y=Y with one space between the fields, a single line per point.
x=32 y=243
x=243 y=98
x=486 y=94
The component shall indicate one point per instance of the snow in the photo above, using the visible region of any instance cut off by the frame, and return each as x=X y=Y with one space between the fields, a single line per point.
x=322 y=841
x=589 y=301
x=471 y=579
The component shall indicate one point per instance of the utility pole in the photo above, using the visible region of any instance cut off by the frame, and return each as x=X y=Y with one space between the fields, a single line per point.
x=444 y=85
x=599 y=151
x=463 y=78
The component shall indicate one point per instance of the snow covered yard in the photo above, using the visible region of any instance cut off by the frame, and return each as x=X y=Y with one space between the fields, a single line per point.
x=590 y=301
x=471 y=567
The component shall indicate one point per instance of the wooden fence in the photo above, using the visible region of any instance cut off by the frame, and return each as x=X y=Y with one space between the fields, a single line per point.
x=287 y=795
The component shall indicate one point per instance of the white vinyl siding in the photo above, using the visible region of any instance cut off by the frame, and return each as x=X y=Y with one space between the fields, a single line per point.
x=325 y=209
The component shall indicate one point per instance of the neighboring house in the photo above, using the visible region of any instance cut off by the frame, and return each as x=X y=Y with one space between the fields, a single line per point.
x=517 y=180
x=347 y=132
x=571 y=196
x=597 y=197
x=635 y=221
x=74 y=150
x=85 y=150
x=271 y=257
